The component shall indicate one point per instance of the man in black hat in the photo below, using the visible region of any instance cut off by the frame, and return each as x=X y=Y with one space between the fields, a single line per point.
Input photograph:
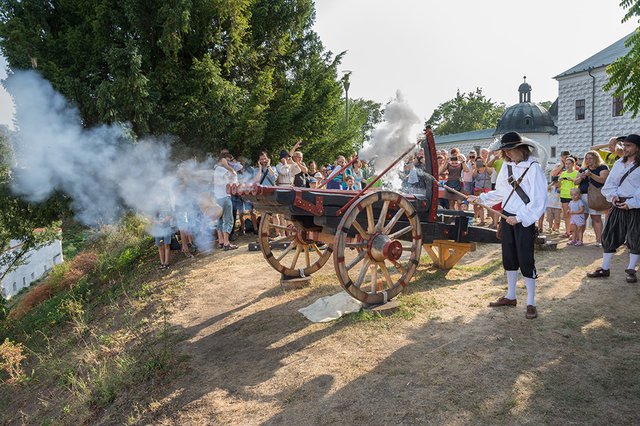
x=622 y=188
x=521 y=187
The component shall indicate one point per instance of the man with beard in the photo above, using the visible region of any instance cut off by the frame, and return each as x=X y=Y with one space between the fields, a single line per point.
x=622 y=188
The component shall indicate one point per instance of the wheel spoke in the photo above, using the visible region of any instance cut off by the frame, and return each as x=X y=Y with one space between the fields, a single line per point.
x=363 y=272
x=286 y=251
x=374 y=278
x=295 y=258
x=370 y=222
x=355 y=261
x=360 y=244
x=400 y=232
x=316 y=249
x=393 y=221
x=399 y=266
x=360 y=230
x=285 y=238
x=286 y=228
x=386 y=274
x=307 y=256
x=383 y=215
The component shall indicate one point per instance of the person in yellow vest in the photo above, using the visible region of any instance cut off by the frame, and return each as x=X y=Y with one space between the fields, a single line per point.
x=567 y=183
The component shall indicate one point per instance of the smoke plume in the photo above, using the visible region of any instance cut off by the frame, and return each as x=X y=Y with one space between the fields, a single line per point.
x=101 y=169
x=393 y=136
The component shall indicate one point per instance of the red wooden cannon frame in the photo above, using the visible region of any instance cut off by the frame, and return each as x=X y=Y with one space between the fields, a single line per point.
x=374 y=236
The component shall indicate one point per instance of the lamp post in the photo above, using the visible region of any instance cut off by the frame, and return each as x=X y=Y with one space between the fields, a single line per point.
x=346 y=84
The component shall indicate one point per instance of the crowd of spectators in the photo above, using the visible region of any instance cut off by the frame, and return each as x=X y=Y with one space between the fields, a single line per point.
x=574 y=184
x=572 y=187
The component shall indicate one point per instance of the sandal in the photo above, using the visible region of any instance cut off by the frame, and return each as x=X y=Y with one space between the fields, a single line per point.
x=599 y=273
x=187 y=254
x=230 y=247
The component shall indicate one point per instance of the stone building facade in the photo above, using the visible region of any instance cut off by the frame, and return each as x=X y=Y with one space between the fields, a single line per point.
x=587 y=114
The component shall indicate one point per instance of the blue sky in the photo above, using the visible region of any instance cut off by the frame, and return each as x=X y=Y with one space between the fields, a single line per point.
x=429 y=49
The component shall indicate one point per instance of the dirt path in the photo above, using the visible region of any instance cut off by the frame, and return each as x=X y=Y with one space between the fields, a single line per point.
x=254 y=359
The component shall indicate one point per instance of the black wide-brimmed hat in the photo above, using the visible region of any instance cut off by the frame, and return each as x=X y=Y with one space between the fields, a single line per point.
x=511 y=140
x=633 y=138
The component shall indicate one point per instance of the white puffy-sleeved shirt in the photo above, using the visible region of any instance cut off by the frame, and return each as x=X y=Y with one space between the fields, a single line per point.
x=629 y=188
x=534 y=185
x=221 y=177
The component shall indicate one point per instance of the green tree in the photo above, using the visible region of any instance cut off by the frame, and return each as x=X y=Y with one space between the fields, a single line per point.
x=546 y=104
x=33 y=225
x=464 y=113
x=249 y=75
x=624 y=72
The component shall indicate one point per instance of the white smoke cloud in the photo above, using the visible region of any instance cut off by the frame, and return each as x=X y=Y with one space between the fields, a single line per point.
x=101 y=169
x=394 y=135
x=391 y=138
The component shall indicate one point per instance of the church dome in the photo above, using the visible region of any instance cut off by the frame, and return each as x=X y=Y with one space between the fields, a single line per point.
x=526 y=116
x=524 y=88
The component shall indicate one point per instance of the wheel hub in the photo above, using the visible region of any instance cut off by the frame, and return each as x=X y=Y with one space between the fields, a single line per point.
x=382 y=247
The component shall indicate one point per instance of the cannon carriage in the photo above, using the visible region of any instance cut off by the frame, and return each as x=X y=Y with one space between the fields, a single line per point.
x=374 y=237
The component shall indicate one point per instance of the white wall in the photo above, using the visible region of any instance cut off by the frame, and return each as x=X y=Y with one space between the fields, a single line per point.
x=575 y=135
x=465 y=146
x=37 y=264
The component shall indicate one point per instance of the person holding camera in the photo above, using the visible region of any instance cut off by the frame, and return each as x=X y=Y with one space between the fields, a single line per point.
x=593 y=173
x=622 y=188
x=454 y=168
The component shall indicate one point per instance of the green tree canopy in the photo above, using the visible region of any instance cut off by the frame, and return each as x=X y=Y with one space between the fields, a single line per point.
x=464 y=113
x=30 y=223
x=249 y=75
x=624 y=72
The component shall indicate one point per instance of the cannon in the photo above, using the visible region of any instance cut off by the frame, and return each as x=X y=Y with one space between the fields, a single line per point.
x=374 y=236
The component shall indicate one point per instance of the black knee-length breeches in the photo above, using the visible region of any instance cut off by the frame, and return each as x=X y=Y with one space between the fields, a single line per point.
x=621 y=226
x=518 y=247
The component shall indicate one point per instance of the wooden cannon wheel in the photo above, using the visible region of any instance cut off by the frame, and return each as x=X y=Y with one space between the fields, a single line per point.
x=301 y=258
x=383 y=264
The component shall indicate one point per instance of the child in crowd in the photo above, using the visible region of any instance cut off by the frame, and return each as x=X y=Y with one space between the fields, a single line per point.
x=350 y=184
x=567 y=182
x=161 y=230
x=578 y=222
x=554 y=207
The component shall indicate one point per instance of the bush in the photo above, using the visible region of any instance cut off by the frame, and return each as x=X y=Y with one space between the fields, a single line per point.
x=11 y=357
x=62 y=277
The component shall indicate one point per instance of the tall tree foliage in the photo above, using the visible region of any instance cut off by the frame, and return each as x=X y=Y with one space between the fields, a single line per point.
x=31 y=224
x=464 y=113
x=624 y=72
x=245 y=74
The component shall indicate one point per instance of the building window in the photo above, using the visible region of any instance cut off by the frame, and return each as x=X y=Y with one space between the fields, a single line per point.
x=33 y=276
x=580 y=109
x=616 y=106
x=553 y=152
x=24 y=281
x=15 y=288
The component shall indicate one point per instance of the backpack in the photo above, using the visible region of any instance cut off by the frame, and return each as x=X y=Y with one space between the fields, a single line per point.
x=248 y=226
